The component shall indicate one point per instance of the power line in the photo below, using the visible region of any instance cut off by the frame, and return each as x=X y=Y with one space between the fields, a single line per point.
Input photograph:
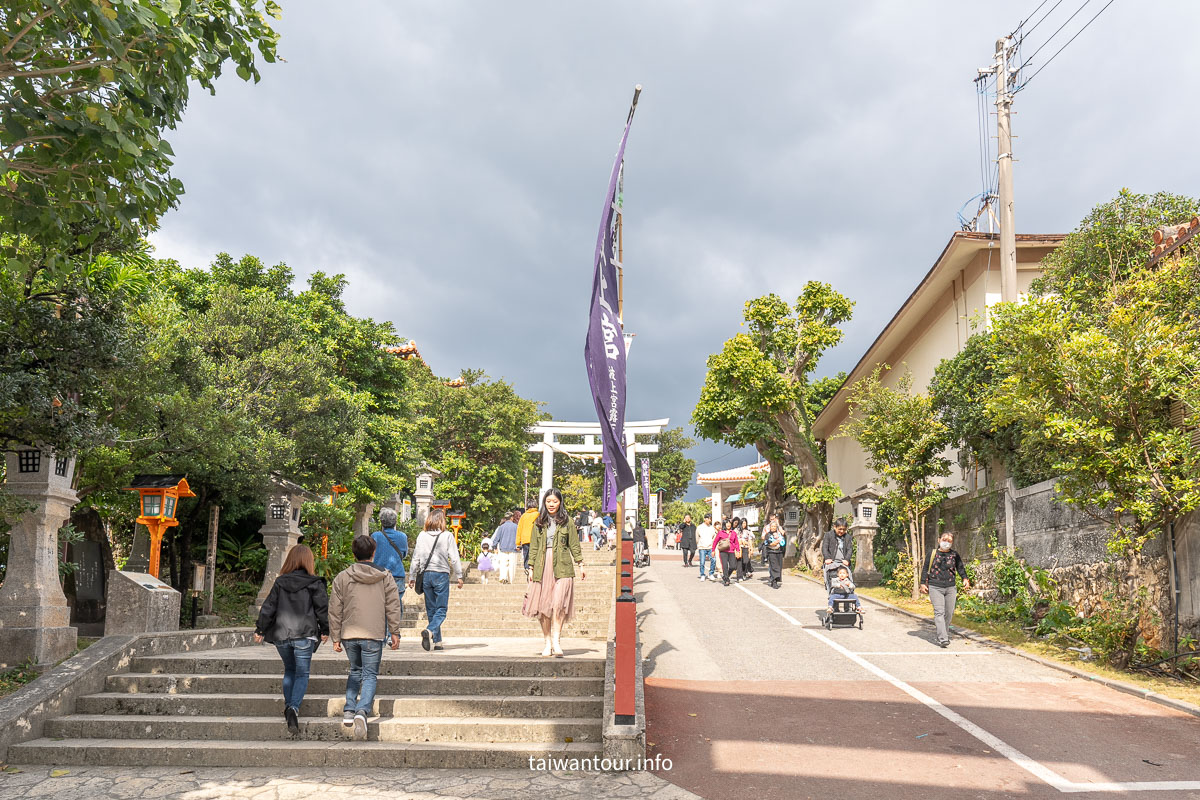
x=1064 y=47
x=1056 y=32
x=1031 y=16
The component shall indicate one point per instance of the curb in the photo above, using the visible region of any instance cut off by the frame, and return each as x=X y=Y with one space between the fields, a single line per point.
x=967 y=633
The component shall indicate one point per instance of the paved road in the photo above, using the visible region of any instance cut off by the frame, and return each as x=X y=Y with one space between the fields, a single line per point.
x=750 y=696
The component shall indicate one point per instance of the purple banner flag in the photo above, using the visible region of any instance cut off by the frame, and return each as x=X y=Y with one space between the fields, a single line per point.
x=610 y=491
x=646 y=481
x=604 y=350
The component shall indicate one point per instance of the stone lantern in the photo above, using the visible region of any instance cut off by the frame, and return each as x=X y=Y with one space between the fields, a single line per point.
x=35 y=621
x=281 y=529
x=863 y=527
x=790 y=514
x=423 y=495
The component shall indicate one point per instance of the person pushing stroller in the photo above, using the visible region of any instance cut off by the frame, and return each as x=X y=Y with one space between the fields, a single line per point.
x=835 y=550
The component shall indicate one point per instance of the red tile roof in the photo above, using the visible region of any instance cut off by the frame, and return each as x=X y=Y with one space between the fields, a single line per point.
x=743 y=474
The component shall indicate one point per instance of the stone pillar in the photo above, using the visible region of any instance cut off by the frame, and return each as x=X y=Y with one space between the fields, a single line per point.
x=863 y=527
x=633 y=492
x=401 y=505
x=547 y=464
x=718 y=503
x=280 y=532
x=35 y=621
x=362 y=517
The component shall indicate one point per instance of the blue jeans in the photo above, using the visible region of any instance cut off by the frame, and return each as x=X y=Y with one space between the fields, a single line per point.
x=840 y=596
x=437 y=600
x=401 y=585
x=297 y=658
x=706 y=558
x=364 y=656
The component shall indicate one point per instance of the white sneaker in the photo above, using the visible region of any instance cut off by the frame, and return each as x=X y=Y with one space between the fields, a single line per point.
x=360 y=727
x=701 y=577
x=547 y=649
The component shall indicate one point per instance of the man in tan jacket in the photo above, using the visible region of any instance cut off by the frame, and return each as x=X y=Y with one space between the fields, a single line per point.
x=364 y=605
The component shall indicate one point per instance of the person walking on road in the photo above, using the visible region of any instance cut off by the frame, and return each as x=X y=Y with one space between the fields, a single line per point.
x=435 y=557
x=938 y=569
x=746 y=539
x=727 y=546
x=363 y=604
x=293 y=616
x=687 y=540
x=835 y=550
x=705 y=534
x=504 y=547
x=639 y=542
x=554 y=558
x=773 y=545
x=391 y=548
x=524 y=528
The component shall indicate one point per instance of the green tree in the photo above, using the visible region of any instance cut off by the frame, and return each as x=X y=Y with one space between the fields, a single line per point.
x=670 y=469
x=580 y=492
x=960 y=388
x=1111 y=403
x=903 y=439
x=87 y=90
x=759 y=391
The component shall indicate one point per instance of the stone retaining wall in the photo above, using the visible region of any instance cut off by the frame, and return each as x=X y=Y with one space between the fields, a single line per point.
x=1070 y=545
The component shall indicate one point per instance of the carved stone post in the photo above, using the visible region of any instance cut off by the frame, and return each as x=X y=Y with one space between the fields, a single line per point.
x=35 y=621
x=280 y=530
x=424 y=491
x=864 y=527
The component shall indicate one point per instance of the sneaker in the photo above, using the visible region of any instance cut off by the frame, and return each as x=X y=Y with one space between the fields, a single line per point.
x=944 y=643
x=425 y=640
x=701 y=577
x=347 y=719
x=360 y=727
x=293 y=723
x=438 y=646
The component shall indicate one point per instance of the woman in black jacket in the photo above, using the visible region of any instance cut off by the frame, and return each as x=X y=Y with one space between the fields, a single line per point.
x=938 y=569
x=294 y=614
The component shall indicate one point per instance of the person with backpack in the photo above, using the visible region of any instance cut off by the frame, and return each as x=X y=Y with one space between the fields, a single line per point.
x=391 y=548
x=294 y=615
x=433 y=560
x=363 y=605
x=938 y=570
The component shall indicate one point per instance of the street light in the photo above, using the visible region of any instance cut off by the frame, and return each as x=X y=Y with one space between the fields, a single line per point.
x=159 y=502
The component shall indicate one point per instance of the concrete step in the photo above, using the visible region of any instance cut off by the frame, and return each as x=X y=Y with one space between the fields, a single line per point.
x=262 y=660
x=278 y=753
x=522 y=631
x=382 y=729
x=146 y=683
x=331 y=705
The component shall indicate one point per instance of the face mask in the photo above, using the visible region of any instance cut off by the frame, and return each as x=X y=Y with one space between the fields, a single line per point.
x=943 y=546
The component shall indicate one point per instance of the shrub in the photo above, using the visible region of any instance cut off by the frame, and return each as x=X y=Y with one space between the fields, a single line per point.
x=901 y=580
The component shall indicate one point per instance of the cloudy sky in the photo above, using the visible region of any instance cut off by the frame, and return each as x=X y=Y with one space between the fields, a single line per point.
x=451 y=158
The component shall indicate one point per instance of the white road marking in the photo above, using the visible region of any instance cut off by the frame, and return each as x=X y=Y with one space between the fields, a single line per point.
x=924 y=653
x=1014 y=755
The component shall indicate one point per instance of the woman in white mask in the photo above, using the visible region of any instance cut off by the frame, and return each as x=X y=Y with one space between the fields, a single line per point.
x=938 y=569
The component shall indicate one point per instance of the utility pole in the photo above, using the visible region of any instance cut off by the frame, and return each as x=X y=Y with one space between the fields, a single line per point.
x=1004 y=159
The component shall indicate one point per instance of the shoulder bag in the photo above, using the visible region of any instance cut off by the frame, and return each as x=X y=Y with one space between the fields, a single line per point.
x=418 y=576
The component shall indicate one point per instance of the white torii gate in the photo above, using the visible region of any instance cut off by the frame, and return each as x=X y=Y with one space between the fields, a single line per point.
x=590 y=431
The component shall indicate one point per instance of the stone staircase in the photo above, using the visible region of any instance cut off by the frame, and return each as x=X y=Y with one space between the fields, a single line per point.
x=487 y=701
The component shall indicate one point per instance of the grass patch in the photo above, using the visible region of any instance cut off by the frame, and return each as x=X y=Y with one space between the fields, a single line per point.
x=1012 y=634
x=15 y=678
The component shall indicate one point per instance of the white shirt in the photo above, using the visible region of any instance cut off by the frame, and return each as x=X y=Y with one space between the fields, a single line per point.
x=704 y=536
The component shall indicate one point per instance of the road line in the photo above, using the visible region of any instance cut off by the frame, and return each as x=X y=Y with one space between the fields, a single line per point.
x=1043 y=773
x=922 y=653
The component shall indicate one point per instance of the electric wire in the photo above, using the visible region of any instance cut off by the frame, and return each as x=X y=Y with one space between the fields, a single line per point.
x=1064 y=47
x=1039 y=22
x=1059 y=30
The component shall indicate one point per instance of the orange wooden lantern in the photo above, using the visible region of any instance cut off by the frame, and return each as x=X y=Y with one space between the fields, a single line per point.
x=159 y=497
x=456 y=523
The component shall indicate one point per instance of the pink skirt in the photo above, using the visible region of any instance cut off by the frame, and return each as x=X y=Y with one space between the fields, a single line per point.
x=551 y=595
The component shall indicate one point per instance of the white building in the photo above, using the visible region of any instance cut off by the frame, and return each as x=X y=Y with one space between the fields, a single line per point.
x=945 y=308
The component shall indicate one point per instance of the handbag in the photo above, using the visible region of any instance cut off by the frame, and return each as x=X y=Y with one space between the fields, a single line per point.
x=723 y=546
x=419 y=575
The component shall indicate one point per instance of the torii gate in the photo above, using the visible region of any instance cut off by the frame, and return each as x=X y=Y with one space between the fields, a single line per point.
x=590 y=431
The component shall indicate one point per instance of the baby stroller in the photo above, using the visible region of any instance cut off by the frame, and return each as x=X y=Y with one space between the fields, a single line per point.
x=641 y=555
x=843 y=614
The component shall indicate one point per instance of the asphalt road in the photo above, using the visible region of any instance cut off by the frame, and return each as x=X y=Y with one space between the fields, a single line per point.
x=749 y=695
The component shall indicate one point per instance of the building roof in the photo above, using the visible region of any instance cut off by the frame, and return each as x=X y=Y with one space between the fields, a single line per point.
x=742 y=474
x=155 y=481
x=958 y=252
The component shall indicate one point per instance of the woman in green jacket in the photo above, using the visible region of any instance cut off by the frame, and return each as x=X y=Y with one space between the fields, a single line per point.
x=554 y=555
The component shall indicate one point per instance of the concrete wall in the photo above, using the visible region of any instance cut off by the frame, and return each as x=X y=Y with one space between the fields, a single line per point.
x=1187 y=548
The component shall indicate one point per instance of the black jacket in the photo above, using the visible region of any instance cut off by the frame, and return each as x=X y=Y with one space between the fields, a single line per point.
x=688 y=540
x=639 y=534
x=938 y=568
x=829 y=546
x=296 y=608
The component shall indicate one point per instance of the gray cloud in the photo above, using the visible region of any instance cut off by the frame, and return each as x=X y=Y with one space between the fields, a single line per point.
x=451 y=157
